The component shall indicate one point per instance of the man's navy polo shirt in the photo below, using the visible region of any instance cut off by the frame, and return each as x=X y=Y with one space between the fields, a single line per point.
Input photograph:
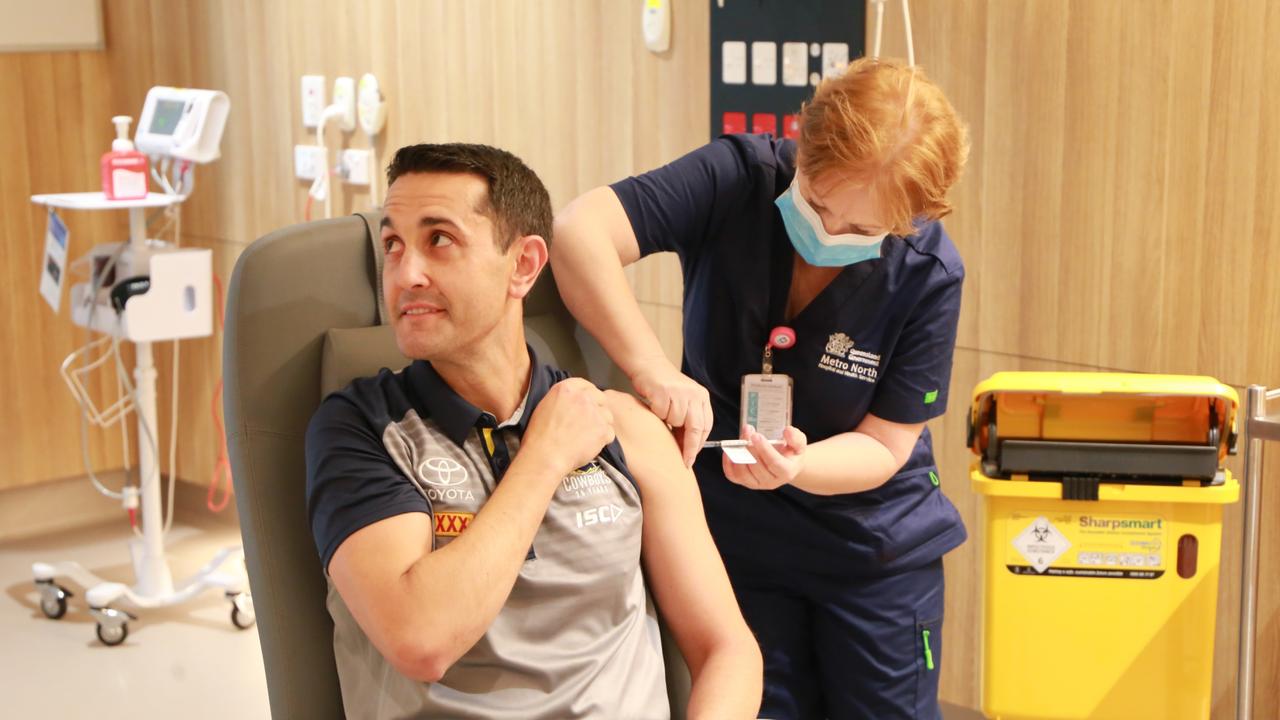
x=576 y=633
x=879 y=339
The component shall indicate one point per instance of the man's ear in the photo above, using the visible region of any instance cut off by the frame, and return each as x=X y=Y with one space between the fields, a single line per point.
x=530 y=258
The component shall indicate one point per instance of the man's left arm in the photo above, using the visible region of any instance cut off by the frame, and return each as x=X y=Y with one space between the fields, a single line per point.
x=685 y=572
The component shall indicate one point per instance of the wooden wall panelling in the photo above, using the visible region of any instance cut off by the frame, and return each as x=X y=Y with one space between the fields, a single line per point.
x=1025 y=73
x=1235 y=118
x=950 y=42
x=1184 y=263
x=1252 y=251
x=1113 y=179
x=670 y=101
x=51 y=144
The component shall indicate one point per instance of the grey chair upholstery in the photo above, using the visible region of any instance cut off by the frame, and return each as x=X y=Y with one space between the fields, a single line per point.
x=303 y=318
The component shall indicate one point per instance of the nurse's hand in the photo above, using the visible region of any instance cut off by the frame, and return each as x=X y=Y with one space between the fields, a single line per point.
x=679 y=401
x=775 y=466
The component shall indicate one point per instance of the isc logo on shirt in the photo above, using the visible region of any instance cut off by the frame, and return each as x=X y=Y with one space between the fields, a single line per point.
x=599 y=515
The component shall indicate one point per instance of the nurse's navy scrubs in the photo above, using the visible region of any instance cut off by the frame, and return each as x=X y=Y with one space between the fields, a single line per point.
x=843 y=592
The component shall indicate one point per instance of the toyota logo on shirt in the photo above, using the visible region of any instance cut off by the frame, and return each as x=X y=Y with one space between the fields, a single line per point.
x=443 y=472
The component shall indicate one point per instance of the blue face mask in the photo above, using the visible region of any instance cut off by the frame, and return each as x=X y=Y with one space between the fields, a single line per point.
x=811 y=239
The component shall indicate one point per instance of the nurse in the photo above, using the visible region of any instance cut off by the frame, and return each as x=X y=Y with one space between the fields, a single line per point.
x=828 y=252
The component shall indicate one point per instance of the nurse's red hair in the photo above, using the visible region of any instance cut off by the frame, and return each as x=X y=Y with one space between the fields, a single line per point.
x=888 y=127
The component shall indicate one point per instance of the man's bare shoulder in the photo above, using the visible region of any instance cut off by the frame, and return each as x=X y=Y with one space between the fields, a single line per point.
x=623 y=403
x=645 y=438
x=632 y=418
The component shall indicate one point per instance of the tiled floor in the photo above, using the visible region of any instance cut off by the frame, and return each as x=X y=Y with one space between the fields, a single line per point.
x=187 y=661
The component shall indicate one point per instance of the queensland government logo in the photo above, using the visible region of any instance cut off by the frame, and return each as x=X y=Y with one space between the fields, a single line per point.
x=445 y=478
x=843 y=358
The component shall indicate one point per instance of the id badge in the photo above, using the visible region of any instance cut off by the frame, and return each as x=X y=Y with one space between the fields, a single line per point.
x=766 y=403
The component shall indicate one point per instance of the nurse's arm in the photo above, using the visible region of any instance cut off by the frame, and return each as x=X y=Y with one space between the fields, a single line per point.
x=685 y=572
x=857 y=461
x=593 y=240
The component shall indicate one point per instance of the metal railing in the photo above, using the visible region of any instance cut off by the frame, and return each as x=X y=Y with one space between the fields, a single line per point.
x=1259 y=426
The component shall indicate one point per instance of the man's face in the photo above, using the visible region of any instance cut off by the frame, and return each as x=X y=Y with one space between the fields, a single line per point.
x=445 y=281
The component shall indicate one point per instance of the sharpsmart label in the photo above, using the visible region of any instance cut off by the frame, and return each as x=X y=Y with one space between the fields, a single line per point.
x=1098 y=544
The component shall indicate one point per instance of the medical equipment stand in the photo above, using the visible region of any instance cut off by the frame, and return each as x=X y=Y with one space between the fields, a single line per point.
x=154 y=584
x=1259 y=426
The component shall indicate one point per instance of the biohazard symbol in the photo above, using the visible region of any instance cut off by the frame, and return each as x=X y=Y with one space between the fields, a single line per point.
x=1041 y=532
x=451 y=524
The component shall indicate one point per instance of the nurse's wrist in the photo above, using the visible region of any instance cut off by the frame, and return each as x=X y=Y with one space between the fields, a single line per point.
x=640 y=365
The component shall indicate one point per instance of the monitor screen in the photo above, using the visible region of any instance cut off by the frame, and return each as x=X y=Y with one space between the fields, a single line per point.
x=166 y=116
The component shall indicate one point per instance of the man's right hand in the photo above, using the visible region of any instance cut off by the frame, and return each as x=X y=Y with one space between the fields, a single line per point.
x=679 y=401
x=570 y=426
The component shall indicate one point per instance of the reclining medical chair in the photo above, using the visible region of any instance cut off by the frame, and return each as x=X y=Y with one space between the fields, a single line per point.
x=304 y=317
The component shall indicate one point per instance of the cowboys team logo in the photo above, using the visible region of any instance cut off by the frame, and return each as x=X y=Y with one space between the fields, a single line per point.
x=590 y=479
x=443 y=472
x=839 y=344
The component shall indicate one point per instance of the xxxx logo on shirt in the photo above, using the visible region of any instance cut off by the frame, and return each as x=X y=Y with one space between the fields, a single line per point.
x=451 y=524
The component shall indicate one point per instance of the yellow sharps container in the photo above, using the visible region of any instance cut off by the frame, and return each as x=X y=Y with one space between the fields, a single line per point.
x=1102 y=499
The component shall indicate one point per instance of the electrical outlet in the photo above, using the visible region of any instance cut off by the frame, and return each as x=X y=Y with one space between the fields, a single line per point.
x=309 y=161
x=344 y=96
x=355 y=166
x=312 y=100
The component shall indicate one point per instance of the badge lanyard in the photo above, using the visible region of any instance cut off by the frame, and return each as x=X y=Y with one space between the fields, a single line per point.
x=766 y=397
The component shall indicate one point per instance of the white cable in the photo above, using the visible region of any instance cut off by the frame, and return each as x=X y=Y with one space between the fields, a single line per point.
x=160 y=179
x=113 y=412
x=173 y=397
x=88 y=465
x=173 y=438
x=180 y=182
x=911 y=49
x=119 y=408
x=122 y=380
x=322 y=179
x=373 y=171
x=875 y=47
x=142 y=420
x=94 y=279
x=125 y=441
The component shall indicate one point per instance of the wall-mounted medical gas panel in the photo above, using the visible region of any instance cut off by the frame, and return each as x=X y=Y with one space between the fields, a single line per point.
x=767 y=56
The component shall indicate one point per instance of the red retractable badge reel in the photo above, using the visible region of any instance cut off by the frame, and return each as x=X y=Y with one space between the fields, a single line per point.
x=781 y=337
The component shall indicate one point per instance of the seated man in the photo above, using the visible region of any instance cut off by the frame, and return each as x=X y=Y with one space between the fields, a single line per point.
x=480 y=529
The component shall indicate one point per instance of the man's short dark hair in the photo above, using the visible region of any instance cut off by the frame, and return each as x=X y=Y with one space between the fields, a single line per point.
x=518 y=202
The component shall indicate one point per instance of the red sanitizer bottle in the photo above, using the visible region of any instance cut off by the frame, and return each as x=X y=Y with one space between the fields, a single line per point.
x=124 y=169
